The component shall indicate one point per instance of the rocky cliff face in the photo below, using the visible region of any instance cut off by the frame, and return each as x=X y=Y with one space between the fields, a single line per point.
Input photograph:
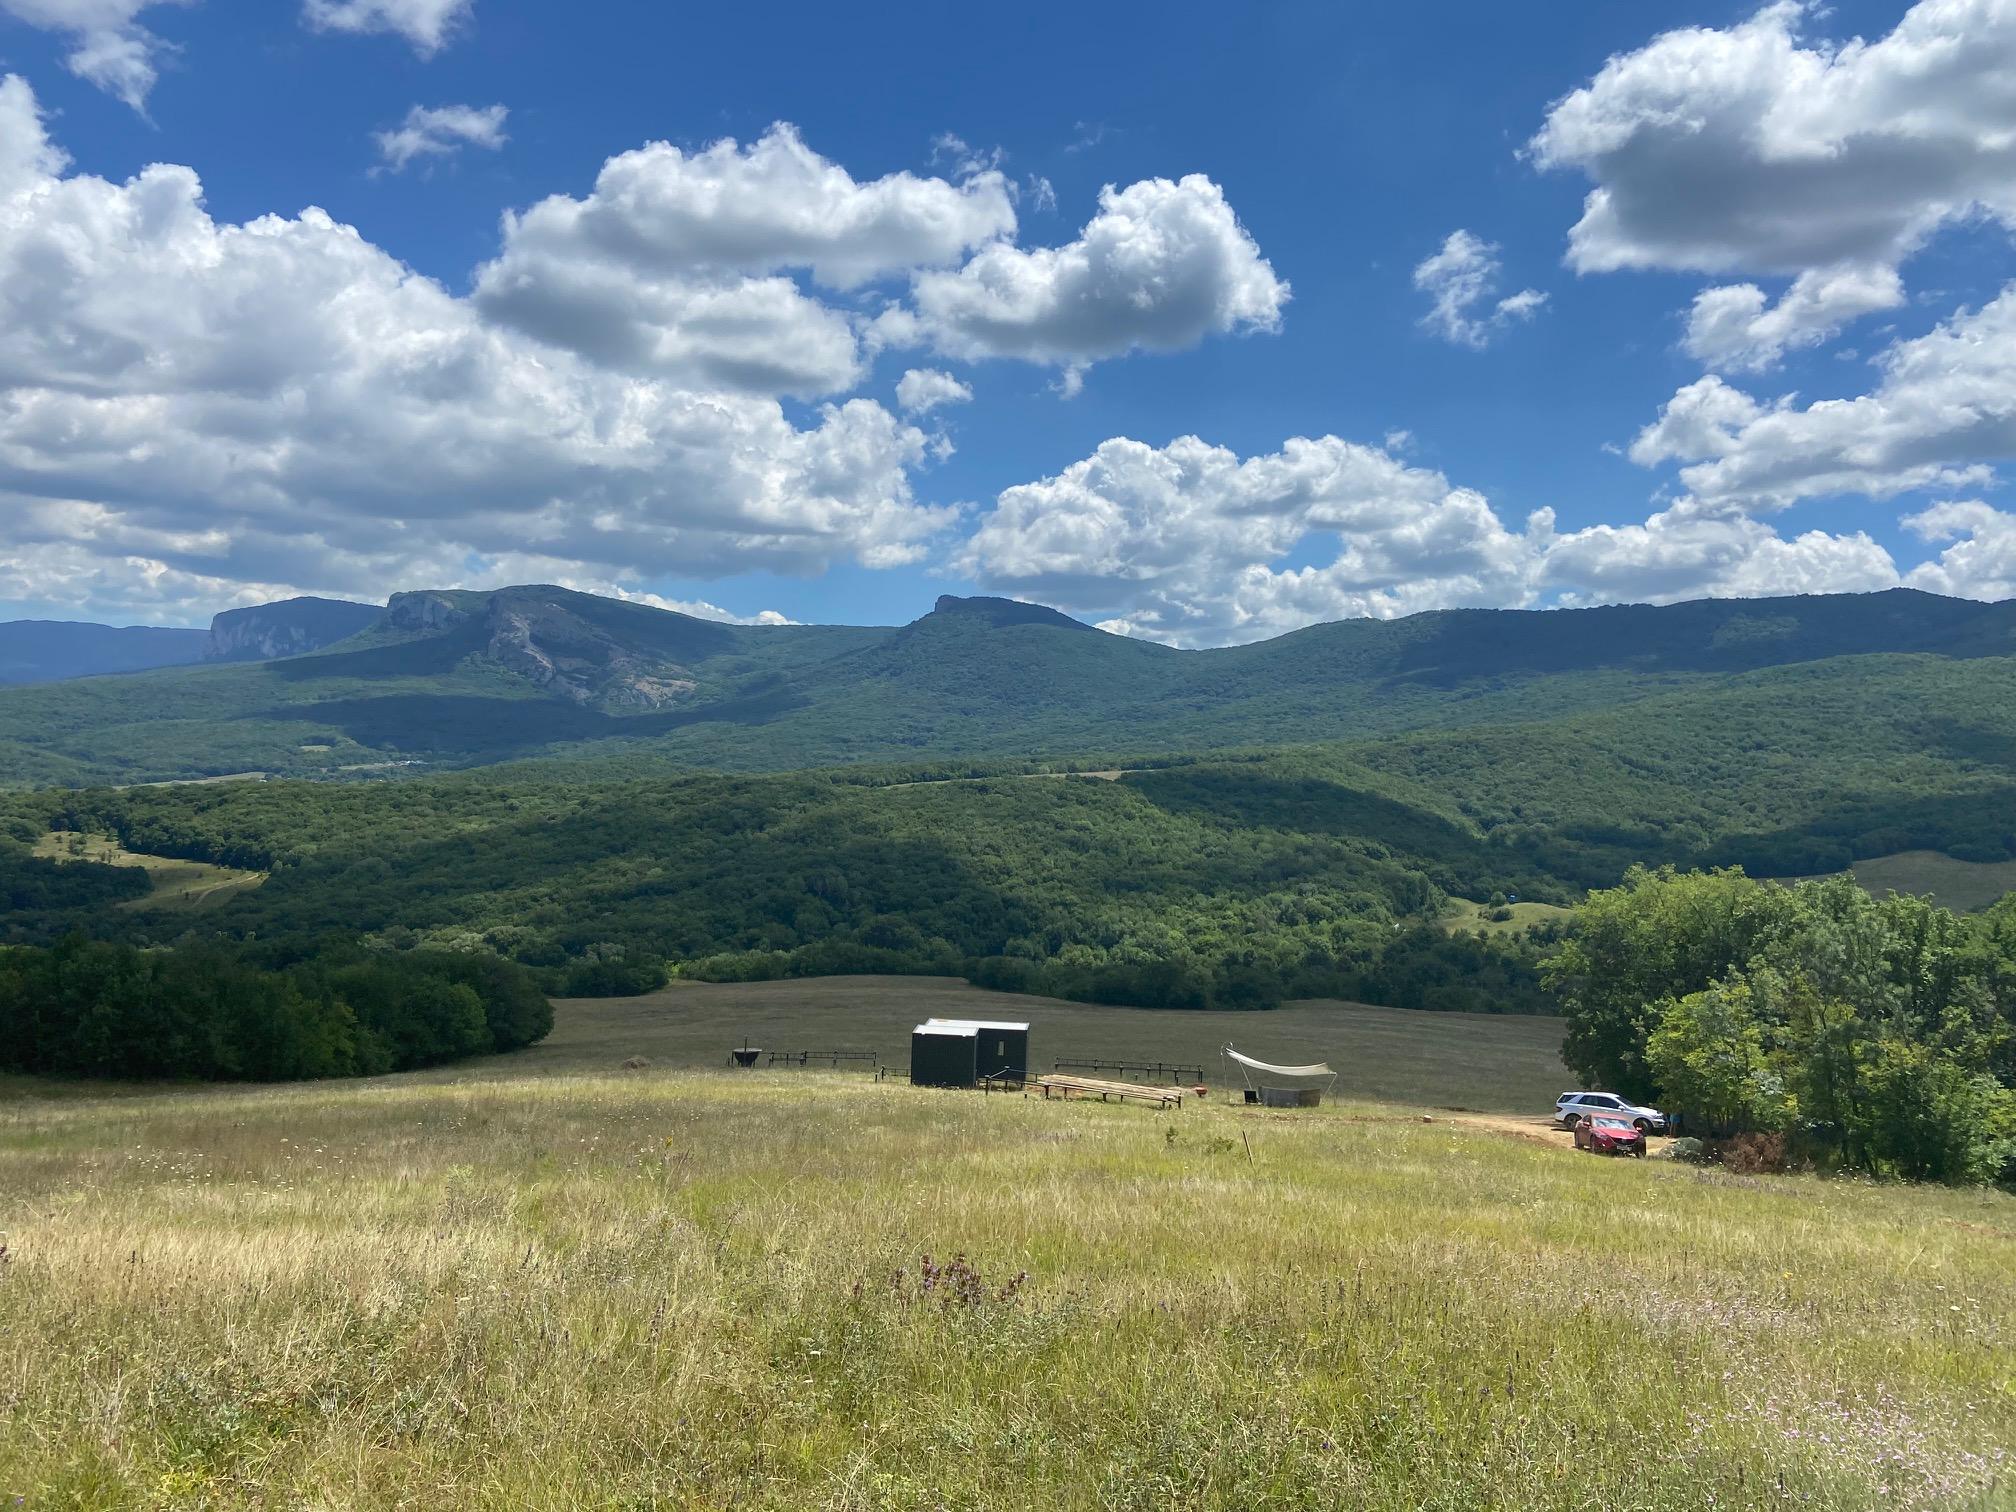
x=621 y=658
x=288 y=628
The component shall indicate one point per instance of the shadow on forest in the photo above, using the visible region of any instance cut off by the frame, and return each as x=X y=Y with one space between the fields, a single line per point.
x=472 y=724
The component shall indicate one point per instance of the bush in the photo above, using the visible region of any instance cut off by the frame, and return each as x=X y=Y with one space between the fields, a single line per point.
x=1755 y=1154
x=1688 y=1149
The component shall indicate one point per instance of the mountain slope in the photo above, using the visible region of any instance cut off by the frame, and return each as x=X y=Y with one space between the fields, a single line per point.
x=39 y=651
x=456 y=678
x=287 y=628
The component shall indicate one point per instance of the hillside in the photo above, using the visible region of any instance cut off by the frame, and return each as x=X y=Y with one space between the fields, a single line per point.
x=47 y=651
x=457 y=679
x=1189 y=878
x=41 y=651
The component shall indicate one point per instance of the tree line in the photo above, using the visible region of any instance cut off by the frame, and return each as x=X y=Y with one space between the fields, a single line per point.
x=1868 y=1034
x=84 y=1007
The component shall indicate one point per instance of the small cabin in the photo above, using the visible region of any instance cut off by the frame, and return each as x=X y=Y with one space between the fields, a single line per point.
x=1001 y=1048
x=944 y=1055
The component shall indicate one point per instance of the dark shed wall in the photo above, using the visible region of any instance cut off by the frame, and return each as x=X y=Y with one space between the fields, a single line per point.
x=943 y=1060
x=1003 y=1050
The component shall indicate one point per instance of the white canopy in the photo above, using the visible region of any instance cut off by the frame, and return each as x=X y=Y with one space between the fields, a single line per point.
x=1319 y=1069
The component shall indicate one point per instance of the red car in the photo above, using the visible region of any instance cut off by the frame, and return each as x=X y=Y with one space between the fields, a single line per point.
x=1605 y=1135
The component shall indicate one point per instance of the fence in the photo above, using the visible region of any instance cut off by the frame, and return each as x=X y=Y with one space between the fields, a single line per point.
x=1139 y=1068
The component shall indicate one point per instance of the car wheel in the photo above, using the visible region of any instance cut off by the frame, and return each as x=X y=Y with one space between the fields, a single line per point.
x=1570 y=1121
x=1641 y=1125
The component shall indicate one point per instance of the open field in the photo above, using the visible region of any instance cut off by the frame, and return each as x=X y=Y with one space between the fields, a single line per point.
x=706 y=1288
x=1491 y=1062
x=1963 y=886
x=174 y=884
x=1465 y=917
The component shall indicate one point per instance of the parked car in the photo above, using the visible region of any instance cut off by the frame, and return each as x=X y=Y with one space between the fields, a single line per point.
x=1570 y=1108
x=1609 y=1134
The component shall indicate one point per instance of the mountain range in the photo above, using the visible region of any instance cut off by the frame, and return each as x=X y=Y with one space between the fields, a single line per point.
x=41 y=651
x=459 y=678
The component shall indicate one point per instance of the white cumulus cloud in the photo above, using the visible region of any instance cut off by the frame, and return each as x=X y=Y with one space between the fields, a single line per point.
x=1979 y=563
x=187 y=401
x=441 y=131
x=1191 y=544
x=678 y=264
x=110 y=48
x=1461 y=281
x=1756 y=148
x=1736 y=327
x=1161 y=266
x=1943 y=413
x=428 y=25
x=1762 y=149
x=921 y=390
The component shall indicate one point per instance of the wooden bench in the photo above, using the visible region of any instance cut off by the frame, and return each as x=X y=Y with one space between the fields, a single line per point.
x=1106 y=1091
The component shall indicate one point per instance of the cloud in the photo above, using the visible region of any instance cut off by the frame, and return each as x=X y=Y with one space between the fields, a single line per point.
x=1981 y=561
x=1161 y=266
x=921 y=390
x=1735 y=327
x=429 y=25
x=1460 y=279
x=677 y=264
x=1193 y=545
x=441 y=131
x=282 y=403
x=1751 y=148
x=111 y=49
x=766 y=207
x=697 y=608
x=1675 y=555
x=1944 y=412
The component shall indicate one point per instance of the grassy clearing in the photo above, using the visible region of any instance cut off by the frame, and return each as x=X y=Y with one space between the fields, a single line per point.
x=1492 y=1062
x=1465 y=917
x=681 y=1289
x=174 y=884
x=1963 y=886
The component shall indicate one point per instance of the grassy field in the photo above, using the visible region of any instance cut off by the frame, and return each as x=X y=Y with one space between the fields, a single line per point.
x=1465 y=917
x=696 y=1289
x=173 y=884
x=1490 y=1062
x=1964 y=886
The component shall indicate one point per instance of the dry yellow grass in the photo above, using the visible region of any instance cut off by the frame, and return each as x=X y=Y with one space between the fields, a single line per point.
x=528 y=1287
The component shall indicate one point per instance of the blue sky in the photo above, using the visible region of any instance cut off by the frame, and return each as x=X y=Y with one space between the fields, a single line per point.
x=196 y=419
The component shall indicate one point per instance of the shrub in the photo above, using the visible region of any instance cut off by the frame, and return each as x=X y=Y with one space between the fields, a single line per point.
x=1755 y=1154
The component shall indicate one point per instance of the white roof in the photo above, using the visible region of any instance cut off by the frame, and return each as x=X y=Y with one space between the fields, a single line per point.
x=950 y=1031
x=978 y=1024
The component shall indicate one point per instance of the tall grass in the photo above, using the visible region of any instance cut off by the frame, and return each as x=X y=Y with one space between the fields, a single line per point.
x=709 y=1289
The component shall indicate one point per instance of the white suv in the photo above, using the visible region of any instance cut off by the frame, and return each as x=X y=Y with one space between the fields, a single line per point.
x=1570 y=1108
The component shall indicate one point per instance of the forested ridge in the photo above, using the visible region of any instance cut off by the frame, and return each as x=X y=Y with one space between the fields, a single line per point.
x=1191 y=879
x=1122 y=871
x=453 y=680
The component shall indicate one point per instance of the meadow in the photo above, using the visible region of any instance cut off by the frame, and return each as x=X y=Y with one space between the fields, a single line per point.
x=173 y=884
x=1508 y=1063
x=543 y=1281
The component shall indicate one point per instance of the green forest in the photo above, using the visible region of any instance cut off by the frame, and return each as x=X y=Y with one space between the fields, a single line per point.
x=1141 y=866
x=1873 y=1035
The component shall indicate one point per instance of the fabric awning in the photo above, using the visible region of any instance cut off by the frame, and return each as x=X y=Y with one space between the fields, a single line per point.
x=1319 y=1069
